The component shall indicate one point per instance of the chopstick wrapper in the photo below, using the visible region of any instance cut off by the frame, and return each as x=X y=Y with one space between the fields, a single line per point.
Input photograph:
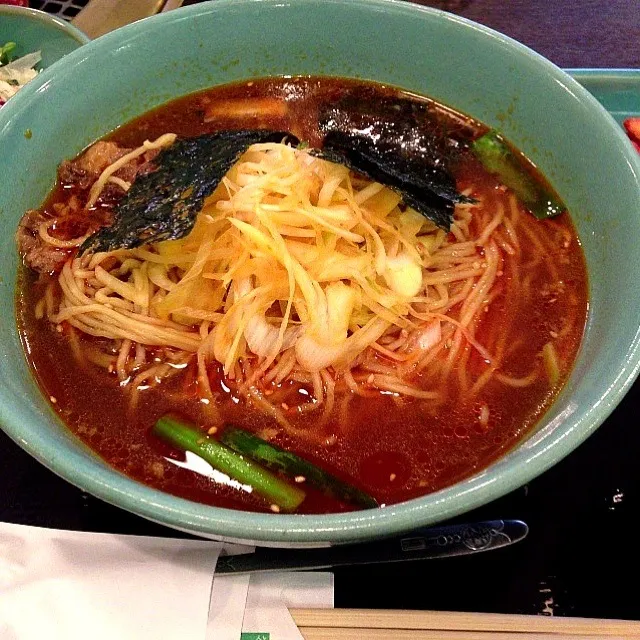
x=272 y=595
x=261 y=603
x=67 y=585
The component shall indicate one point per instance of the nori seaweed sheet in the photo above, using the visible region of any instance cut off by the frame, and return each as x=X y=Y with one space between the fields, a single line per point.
x=398 y=143
x=164 y=204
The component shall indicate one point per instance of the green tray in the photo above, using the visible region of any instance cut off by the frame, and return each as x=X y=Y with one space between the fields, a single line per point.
x=617 y=89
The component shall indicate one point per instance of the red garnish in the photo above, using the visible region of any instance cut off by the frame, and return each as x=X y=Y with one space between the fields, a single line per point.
x=18 y=3
x=632 y=127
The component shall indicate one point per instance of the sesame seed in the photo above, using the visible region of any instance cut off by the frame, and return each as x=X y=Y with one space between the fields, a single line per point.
x=299 y=479
x=392 y=477
x=275 y=508
x=484 y=415
x=53 y=399
x=370 y=379
x=212 y=430
x=285 y=406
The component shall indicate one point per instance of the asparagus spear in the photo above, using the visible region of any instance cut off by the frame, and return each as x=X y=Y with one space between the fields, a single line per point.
x=187 y=437
x=498 y=158
x=293 y=466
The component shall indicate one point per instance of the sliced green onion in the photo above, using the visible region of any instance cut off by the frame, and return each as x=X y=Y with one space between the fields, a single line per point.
x=293 y=466
x=186 y=437
x=496 y=157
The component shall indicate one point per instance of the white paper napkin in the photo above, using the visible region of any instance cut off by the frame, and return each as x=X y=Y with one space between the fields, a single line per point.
x=66 y=585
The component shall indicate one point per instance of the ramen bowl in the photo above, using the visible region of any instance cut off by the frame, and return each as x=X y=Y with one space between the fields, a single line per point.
x=545 y=113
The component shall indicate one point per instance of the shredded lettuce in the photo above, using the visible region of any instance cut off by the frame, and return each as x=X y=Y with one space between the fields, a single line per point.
x=14 y=74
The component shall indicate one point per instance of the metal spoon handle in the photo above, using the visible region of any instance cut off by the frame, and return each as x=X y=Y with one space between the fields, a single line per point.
x=422 y=544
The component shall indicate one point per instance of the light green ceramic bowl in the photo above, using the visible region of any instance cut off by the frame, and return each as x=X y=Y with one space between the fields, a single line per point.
x=480 y=72
x=33 y=30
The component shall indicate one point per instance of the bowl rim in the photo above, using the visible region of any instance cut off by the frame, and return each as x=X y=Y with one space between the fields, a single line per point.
x=48 y=19
x=108 y=484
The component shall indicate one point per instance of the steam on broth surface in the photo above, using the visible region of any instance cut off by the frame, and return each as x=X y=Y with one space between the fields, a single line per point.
x=309 y=304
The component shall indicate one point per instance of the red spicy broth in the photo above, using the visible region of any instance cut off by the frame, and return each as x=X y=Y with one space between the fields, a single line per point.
x=393 y=446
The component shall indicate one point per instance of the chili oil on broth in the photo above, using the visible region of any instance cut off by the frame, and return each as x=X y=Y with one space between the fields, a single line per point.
x=392 y=446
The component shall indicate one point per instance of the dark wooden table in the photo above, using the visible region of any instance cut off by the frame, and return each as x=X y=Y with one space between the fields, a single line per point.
x=581 y=551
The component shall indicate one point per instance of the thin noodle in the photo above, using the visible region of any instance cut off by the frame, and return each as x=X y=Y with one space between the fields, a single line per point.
x=510 y=381
x=43 y=231
x=121 y=362
x=163 y=141
x=248 y=292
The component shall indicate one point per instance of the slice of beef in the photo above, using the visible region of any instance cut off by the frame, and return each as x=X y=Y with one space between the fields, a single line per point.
x=71 y=220
x=36 y=253
x=83 y=171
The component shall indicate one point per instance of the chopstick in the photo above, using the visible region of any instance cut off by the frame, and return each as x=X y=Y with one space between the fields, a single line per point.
x=372 y=624
x=332 y=633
